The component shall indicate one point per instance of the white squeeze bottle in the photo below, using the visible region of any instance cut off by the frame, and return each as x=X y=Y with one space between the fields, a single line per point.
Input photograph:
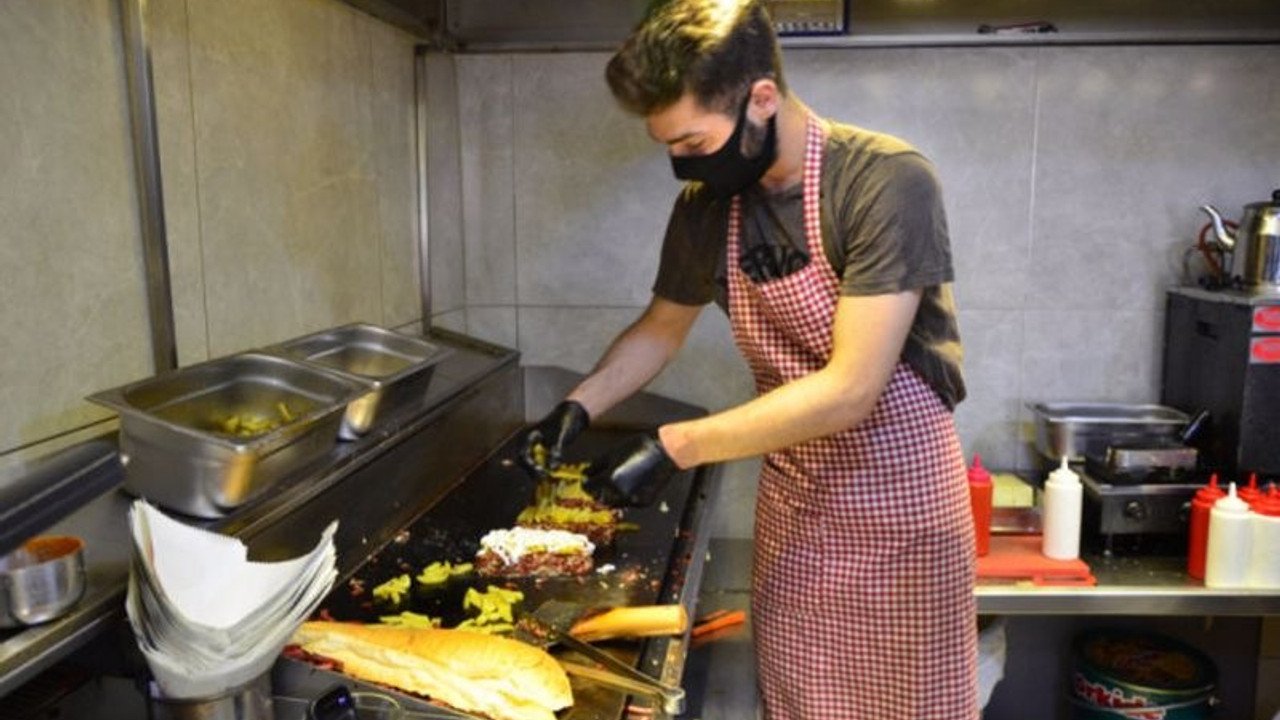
x=1226 y=563
x=1063 y=497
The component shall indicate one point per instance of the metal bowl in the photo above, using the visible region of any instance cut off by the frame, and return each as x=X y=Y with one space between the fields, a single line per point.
x=41 y=580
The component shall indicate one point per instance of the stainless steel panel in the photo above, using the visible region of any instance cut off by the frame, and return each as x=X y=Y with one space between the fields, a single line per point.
x=557 y=25
x=397 y=367
x=1138 y=458
x=178 y=454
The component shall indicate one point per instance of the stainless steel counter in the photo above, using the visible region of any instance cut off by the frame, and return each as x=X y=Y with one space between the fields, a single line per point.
x=398 y=474
x=473 y=403
x=1137 y=585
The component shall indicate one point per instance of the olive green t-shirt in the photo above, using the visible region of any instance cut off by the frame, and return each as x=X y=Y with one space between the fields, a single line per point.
x=884 y=231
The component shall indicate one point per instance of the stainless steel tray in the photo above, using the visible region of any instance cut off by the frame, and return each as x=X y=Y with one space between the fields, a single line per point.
x=205 y=439
x=1079 y=429
x=397 y=367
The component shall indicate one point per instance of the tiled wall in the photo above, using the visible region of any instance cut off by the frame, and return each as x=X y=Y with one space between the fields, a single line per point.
x=286 y=135
x=1071 y=176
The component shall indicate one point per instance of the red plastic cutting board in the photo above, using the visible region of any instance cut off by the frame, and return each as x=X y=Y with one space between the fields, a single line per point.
x=1018 y=557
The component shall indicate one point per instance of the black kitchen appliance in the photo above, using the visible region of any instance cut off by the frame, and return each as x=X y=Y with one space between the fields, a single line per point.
x=1222 y=355
x=1137 y=468
x=1140 y=506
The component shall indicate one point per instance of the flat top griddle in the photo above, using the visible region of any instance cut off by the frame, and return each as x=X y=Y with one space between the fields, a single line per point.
x=649 y=562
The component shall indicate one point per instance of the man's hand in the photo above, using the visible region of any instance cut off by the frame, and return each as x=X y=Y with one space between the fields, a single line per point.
x=632 y=474
x=554 y=433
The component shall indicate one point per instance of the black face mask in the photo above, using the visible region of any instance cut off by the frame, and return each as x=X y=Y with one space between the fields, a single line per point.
x=726 y=172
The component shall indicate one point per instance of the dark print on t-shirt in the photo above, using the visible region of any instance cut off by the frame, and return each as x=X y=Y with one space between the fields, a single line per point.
x=765 y=262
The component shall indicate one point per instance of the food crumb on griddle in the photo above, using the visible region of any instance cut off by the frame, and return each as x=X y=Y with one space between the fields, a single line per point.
x=401 y=537
x=356 y=587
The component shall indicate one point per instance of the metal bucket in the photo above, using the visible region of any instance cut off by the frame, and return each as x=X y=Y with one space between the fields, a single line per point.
x=1121 y=674
x=249 y=702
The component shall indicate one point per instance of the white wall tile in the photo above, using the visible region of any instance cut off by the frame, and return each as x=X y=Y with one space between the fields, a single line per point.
x=592 y=191
x=970 y=111
x=1091 y=355
x=391 y=79
x=988 y=418
x=289 y=218
x=1132 y=140
x=447 y=258
x=72 y=298
x=495 y=324
x=486 y=123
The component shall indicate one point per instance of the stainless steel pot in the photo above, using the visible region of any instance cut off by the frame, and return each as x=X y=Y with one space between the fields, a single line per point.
x=1255 y=247
x=41 y=581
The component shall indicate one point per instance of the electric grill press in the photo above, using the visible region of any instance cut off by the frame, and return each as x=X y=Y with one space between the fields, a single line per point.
x=1138 y=470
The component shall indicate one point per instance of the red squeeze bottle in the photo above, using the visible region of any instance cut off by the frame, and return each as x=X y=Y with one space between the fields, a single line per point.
x=980 y=496
x=1198 y=541
x=1251 y=493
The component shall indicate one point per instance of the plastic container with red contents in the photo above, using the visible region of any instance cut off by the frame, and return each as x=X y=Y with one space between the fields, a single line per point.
x=1250 y=493
x=980 y=497
x=1264 y=558
x=1198 y=541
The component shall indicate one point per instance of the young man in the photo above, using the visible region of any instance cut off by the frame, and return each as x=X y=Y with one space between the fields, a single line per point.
x=827 y=246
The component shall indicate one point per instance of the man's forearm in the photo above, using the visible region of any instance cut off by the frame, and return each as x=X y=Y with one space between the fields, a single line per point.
x=868 y=334
x=636 y=356
x=814 y=406
x=630 y=363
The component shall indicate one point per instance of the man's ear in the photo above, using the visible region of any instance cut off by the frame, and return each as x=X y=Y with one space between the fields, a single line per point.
x=766 y=100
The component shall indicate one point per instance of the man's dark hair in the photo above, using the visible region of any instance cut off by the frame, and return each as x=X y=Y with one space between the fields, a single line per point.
x=713 y=49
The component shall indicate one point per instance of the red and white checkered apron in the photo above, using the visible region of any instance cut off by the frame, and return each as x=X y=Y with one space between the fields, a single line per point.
x=862 y=584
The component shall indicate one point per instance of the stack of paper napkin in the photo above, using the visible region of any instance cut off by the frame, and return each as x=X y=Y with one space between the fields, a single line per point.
x=207 y=619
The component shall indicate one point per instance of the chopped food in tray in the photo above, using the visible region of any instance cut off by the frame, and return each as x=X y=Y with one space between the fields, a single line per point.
x=248 y=423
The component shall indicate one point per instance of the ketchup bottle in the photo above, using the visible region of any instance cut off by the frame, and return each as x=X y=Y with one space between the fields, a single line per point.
x=1251 y=493
x=1264 y=561
x=980 y=498
x=1197 y=544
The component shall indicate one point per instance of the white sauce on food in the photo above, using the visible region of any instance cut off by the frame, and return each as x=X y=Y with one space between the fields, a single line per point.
x=514 y=543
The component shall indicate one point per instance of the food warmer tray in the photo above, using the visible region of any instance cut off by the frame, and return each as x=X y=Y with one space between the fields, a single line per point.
x=177 y=453
x=397 y=367
x=658 y=562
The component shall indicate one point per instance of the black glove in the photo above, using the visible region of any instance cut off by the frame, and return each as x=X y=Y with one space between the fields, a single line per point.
x=555 y=432
x=631 y=474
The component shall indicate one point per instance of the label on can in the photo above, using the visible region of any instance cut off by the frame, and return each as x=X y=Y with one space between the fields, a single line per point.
x=1264 y=351
x=1266 y=319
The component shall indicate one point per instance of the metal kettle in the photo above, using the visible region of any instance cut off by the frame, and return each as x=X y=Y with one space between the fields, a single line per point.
x=1255 y=246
